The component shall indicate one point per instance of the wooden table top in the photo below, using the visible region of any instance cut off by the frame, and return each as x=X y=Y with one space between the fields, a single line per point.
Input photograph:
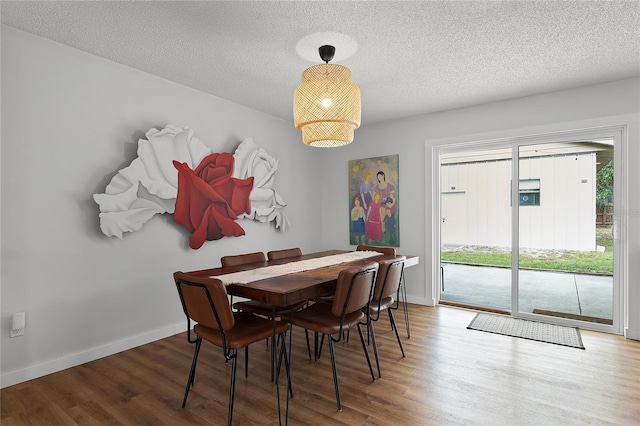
x=286 y=290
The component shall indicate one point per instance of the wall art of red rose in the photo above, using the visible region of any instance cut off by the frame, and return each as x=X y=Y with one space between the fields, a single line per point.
x=209 y=200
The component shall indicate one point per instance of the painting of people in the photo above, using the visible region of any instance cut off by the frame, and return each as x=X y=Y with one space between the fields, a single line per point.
x=374 y=201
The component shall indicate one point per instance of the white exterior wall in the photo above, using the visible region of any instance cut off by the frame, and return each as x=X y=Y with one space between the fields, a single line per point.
x=476 y=203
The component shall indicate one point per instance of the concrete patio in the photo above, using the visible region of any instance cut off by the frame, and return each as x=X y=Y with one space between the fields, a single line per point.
x=569 y=293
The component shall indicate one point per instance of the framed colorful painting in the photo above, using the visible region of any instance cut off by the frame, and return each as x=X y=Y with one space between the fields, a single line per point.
x=374 y=206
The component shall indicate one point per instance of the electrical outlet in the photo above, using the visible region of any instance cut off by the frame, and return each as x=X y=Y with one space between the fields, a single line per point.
x=17 y=324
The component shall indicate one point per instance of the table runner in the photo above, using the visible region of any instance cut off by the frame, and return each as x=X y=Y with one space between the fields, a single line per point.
x=244 y=277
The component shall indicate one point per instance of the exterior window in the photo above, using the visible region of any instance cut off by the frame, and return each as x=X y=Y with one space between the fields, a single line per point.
x=529 y=192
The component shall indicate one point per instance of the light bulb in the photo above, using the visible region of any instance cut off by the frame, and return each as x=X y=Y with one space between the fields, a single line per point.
x=326 y=102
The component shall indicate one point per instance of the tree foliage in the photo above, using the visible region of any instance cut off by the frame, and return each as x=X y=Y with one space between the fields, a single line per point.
x=604 y=186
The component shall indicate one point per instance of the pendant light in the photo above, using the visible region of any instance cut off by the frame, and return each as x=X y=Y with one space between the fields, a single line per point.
x=326 y=106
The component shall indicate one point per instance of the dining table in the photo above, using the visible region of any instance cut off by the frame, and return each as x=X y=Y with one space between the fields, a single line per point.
x=281 y=283
x=288 y=289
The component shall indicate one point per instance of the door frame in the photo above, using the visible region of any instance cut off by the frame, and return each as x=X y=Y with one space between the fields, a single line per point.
x=620 y=227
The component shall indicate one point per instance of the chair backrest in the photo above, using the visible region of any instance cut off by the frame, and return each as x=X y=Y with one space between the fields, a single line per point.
x=391 y=251
x=354 y=289
x=283 y=254
x=204 y=300
x=389 y=276
x=242 y=259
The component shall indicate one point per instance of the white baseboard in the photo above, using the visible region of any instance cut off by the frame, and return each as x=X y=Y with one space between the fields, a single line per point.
x=630 y=333
x=14 y=377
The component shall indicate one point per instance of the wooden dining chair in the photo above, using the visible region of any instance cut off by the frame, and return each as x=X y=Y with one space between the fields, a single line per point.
x=391 y=251
x=204 y=300
x=402 y=290
x=284 y=254
x=387 y=284
x=354 y=290
x=242 y=259
x=261 y=308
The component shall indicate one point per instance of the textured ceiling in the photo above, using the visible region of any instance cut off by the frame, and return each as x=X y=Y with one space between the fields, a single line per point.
x=411 y=58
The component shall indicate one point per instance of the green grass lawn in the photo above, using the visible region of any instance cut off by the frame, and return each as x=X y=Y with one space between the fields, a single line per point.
x=572 y=261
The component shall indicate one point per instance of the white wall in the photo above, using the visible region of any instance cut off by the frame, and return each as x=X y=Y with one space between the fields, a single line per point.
x=70 y=121
x=598 y=105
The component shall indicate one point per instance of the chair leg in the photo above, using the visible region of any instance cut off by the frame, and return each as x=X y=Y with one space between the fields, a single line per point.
x=273 y=352
x=232 y=388
x=192 y=372
x=287 y=356
x=306 y=335
x=405 y=304
x=283 y=353
x=375 y=345
x=321 y=345
x=366 y=353
x=289 y=361
x=277 y=380
x=335 y=373
x=393 y=320
x=318 y=348
x=246 y=361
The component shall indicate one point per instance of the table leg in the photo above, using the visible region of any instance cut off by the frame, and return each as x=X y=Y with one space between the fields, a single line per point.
x=289 y=388
x=404 y=302
x=273 y=342
x=287 y=361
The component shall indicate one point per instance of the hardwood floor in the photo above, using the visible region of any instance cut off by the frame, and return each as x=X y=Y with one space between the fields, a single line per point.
x=451 y=375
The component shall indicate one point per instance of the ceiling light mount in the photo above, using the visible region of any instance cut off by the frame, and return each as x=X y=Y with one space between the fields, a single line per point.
x=327 y=52
x=326 y=106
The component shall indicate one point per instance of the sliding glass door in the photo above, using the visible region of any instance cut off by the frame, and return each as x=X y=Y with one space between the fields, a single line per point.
x=528 y=227
x=475 y=249
x=566 y=251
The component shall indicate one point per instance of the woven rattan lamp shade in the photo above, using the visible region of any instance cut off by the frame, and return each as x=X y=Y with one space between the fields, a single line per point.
x=326 y=106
